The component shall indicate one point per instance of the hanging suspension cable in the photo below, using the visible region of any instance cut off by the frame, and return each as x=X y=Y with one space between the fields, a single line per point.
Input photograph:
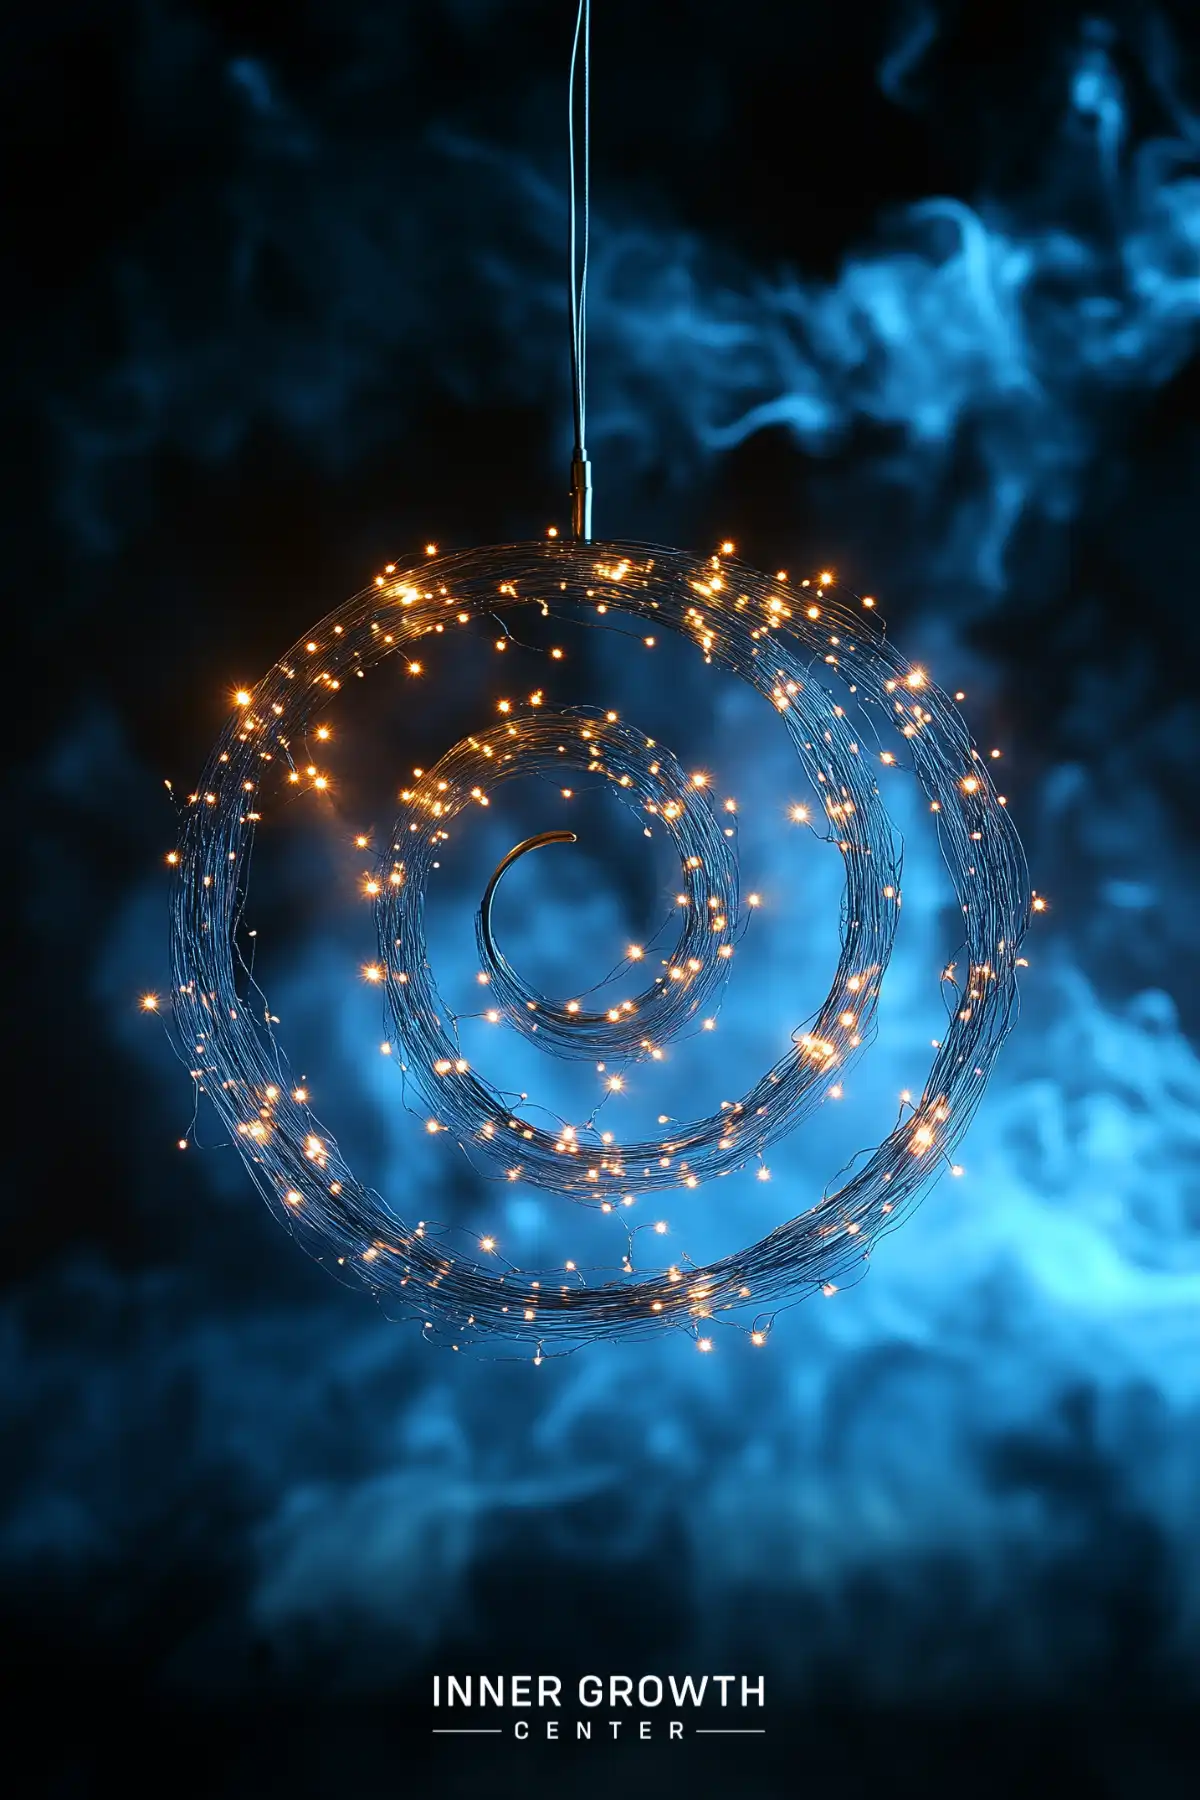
x=581 y=468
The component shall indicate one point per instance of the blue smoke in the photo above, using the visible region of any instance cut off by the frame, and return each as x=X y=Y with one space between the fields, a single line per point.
x=1006 y=336
x=1002 y=1414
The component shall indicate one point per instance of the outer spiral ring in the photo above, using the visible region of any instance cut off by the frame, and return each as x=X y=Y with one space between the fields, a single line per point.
x=821 y=660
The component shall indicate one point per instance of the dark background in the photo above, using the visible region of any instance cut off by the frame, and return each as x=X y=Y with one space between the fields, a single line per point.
x=912 y=290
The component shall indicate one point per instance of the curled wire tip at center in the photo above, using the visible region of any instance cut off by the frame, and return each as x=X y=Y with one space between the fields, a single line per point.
x=505 y=863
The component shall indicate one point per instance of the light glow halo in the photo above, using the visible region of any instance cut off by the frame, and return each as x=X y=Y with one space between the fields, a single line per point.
x=820 y=658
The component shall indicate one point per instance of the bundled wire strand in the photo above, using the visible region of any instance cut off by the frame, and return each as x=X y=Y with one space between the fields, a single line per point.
x=579 y=210
x=579 y=216
x=840 y=690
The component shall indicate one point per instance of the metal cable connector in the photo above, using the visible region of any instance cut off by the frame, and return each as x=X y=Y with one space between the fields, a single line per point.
x=581 y=498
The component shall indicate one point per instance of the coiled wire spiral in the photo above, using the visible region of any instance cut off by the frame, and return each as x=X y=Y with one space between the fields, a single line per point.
x=820 y=660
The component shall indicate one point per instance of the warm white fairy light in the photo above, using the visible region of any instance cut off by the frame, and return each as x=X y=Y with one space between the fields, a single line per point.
x=836 y=683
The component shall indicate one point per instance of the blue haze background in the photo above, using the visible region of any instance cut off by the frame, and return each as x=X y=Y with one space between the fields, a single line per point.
x=909 y=290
